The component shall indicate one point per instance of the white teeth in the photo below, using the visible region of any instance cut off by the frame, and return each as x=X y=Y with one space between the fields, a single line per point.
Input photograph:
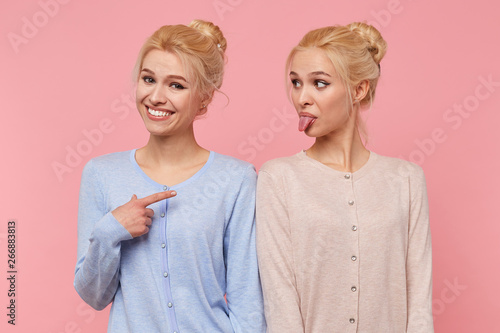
x=158 y=113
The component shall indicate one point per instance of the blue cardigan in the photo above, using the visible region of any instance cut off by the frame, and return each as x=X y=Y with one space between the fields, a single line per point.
x=200 y=247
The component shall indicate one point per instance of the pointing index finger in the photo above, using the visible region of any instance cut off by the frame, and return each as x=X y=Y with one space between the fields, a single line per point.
x=151 y=199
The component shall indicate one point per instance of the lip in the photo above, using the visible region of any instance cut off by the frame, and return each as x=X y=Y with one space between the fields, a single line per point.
x=158 y=118
x=307 y=114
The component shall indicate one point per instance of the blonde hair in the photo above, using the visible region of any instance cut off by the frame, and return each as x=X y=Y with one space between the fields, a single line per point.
x=201 y=48
x=355 y=51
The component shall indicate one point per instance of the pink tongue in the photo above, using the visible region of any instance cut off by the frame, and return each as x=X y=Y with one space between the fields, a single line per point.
x=305 y=122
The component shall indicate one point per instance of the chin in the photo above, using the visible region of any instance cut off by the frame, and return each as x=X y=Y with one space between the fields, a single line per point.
x=313 y=133
x=153 y=130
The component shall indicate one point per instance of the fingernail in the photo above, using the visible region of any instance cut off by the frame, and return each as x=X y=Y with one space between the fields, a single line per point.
x=173 y=193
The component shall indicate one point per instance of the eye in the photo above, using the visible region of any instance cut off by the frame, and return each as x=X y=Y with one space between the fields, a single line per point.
x=148 y=79
x=295 y=83
x=321 y=84
x=176 y=85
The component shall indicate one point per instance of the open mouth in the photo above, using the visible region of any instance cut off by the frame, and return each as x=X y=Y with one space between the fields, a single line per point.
x=159 y=114
x=306 y=120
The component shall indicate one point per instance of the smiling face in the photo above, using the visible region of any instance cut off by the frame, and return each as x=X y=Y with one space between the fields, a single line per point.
x=165 y=98
x=318 y=94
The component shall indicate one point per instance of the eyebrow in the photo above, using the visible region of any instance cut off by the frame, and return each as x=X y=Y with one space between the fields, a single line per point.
x=147 y=70
x=312 y=73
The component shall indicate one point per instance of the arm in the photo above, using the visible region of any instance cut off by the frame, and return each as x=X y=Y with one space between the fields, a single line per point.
x=97 y=270
x=274 y=248
x=243 y=290
x=419 y=259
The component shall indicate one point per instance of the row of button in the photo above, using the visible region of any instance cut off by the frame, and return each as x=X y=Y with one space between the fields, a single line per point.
x=163 y=246
x=353 y=258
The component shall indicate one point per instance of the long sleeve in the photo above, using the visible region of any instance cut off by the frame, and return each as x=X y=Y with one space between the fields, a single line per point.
x=97 y=270
x=243 y=290
x=274 y=248
x=419 y=259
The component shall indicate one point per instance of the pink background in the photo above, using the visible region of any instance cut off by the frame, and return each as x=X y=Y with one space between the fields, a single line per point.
x=71 y=73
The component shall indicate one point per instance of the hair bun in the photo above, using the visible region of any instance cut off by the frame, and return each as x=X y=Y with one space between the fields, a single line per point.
x=211 y=30
x=376 y=45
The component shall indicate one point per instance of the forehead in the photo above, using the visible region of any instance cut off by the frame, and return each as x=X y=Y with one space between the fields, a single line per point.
x=163 y=63
x=311 y=60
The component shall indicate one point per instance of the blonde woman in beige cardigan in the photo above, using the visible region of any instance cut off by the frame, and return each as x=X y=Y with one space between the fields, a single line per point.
x=343 y=234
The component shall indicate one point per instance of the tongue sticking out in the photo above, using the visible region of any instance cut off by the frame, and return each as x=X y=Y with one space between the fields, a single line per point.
x=305 y=122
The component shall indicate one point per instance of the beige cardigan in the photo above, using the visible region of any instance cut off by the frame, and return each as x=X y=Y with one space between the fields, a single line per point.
x=344 y=252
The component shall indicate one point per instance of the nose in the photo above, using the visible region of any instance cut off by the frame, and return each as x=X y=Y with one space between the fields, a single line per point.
x=304 y=97
x=158 y=95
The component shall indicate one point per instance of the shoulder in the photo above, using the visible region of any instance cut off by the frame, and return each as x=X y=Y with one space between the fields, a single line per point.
x=233 y=162
x=395 y=168
x=280 y=165
x=399 y=167
x=275 y=174
x=109 y=163
x=233 y=167
x=110 y=159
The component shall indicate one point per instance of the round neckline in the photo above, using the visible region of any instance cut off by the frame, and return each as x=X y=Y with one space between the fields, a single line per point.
x=341 y=174
x=176 y=186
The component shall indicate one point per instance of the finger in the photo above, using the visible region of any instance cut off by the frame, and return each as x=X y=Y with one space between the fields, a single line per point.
x=146 y=201
x=150 y=212
x=134 y=197
x=148 y=221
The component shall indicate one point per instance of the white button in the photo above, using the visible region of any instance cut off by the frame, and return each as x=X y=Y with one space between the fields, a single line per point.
x=353 y=289
x=163 y=245
x=351 y=202
x=165 y=188
x=353 y=258
x=162 y=215
x=348 y=176
x=165 y=274
x=169 y=305
x=352 y=320
x=354 y=228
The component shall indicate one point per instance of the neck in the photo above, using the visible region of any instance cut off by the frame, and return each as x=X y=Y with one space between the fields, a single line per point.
x=168 y=151
x=342 y=150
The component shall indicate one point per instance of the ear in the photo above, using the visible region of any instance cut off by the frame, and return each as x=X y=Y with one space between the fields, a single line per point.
x=361 y=91
x=203 y=108
x=204 y=104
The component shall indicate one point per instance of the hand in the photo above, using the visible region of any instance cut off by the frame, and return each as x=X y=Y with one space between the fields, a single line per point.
x=134 y=215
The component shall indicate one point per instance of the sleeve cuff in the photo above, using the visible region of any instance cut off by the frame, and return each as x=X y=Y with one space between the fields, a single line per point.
x=109 y=228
